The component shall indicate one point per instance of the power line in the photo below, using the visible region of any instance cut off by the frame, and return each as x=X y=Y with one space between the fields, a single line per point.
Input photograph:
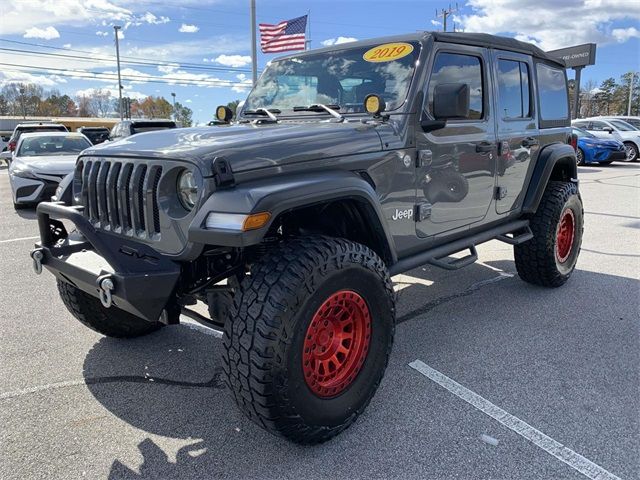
x=133 y=78
x=168 y=63
x=111 y=60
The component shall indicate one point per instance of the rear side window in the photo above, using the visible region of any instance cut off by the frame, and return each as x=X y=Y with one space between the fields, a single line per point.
x=457 y=68
x=554 y=100
x=513 y=89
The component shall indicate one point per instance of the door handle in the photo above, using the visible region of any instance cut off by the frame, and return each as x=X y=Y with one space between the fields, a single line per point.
x=484 y=147
x=529 y=142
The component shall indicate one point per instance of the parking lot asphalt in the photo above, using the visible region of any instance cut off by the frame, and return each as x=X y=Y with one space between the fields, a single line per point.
x=563 y=363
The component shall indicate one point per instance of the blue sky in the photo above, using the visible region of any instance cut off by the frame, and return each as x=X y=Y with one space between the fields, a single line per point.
x=206 y=43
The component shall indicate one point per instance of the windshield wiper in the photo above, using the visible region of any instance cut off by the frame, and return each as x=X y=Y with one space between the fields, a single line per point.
x=319 y=107
x=264 y=111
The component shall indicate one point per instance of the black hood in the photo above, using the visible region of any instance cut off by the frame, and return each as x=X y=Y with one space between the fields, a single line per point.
x=248 y=146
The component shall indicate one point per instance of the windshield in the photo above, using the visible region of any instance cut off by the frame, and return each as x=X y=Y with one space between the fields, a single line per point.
x=623 y=126
x=582 y=133
x=340 y=77
x=52 y=145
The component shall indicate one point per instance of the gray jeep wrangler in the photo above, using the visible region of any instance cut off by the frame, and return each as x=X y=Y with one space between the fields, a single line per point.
x=345 y=166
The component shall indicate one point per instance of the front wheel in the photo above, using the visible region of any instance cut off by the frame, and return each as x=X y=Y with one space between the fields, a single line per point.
x=580 y=156
x=309 y=337
x=550 y=257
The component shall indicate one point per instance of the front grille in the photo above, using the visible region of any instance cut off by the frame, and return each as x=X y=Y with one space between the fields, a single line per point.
x=121 y=196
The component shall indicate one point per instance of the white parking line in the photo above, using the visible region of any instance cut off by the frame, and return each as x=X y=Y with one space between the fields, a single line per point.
x=546 y=443
x=19 y=239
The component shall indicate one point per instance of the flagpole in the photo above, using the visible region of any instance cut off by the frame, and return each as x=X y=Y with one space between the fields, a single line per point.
x=307 y=43
x=254 y=53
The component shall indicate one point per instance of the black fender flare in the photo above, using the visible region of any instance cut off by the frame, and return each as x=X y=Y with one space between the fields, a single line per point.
x=278 y=195
x=549 y=157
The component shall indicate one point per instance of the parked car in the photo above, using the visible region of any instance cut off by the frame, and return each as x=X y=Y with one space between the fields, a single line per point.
x=4 y=140
x=95 y=135
x=131 y=127
x=608 y=127
x=347 y=165
x=40 y=161
x=592 y=149
x=29 y=127
x=634 y=121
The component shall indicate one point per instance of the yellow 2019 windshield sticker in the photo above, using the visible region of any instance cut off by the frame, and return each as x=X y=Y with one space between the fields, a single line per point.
x=388 y=52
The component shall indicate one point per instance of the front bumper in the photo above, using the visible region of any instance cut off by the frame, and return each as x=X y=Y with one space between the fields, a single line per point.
x=143 y=280
x=31 y=190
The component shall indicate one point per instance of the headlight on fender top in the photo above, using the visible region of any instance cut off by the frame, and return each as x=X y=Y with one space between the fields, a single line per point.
x=239 y=222
x=187 y=189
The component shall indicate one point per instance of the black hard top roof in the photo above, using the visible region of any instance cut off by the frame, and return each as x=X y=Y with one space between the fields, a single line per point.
x=461 y=38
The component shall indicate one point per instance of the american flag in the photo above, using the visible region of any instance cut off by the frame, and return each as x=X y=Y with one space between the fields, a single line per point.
x=285 y=36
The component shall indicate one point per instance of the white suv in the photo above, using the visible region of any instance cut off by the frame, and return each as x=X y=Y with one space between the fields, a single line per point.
x=613 y=128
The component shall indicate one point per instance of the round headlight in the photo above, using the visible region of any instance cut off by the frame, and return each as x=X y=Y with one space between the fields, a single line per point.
x=187 y=189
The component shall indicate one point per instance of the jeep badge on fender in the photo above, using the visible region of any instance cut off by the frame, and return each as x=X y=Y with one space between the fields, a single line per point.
x=346 y=165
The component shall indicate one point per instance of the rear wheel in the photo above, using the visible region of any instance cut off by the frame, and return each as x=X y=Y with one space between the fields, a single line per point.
x=549 y=258
x=632 y=151
x=309 y=337
x=112 y=322
x=580 y=156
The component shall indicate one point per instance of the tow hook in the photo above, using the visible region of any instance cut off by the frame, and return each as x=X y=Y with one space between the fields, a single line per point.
x=37 y=256
x=106 y=287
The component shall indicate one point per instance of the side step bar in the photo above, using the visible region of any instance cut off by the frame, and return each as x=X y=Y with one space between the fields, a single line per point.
x=512 y=233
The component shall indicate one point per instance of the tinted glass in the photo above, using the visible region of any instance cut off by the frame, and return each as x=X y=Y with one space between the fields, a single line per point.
x=552 y=88
x=456 y=68
x=52 y=145
x=598 y=126
x=623 y=126
x=513 y=89
x=341 y=77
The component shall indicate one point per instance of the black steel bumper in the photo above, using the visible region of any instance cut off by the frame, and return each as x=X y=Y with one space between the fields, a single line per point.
x=142 y=279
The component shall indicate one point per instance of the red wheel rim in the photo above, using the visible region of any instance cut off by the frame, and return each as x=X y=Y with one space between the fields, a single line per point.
x=565 y=235
x=336 y=343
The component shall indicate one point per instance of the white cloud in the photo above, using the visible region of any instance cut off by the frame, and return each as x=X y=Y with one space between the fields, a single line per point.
x=153 y=20
x=188 y=100
x=66 y=45
x=245 y=84
x=233 y=60
x=120 y=35
x=48 y=33
x=113 y=90
x=436 y=23
x=185 y=28
x=102 y=34
x=7 y=77
x=338 y=41
x=551 y=24
x=623 y=34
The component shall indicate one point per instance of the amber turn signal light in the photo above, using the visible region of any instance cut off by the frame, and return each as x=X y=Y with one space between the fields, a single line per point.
x=256 y=220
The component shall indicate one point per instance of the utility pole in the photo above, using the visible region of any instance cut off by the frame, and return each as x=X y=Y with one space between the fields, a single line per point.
x=24 y=109
x=445 y=13
x=116 y=28
x=175 y=114
x=631 y=79
x=254 y=53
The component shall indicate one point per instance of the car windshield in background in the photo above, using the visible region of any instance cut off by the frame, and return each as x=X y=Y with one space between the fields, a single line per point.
x=582 y=133
x=622 y=126
x=150 y=127
x=341 y=78
x=96 y=136
x=45 y=145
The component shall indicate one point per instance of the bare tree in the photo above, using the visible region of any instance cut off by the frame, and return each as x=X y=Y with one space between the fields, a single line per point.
x=101 y=102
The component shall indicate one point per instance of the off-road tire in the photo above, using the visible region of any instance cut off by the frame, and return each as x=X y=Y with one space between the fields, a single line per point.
x=537 y=260
x=268 y=328
x=634 y=149
x=112 y=321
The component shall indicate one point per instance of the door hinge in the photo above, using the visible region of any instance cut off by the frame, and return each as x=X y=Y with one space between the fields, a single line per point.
x=424 y=158
x=423 y=211
x=501 y=192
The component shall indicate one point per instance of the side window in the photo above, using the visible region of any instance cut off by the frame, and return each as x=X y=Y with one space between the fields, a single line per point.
x=599 y=126
x=552 y=88
x=513 y=89
x=458 y=68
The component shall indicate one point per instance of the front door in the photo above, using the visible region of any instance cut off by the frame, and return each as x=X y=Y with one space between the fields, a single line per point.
x=518 y=143
x=456 y=164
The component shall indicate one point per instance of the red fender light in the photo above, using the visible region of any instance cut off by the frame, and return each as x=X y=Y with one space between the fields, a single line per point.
x=573 y=141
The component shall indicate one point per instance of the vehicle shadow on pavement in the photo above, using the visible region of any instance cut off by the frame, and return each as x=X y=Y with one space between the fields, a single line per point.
x=171 y=384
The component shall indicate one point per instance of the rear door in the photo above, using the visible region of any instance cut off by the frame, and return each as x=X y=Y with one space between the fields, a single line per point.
x=518 y=143
x=599 y=129
x=456 y=164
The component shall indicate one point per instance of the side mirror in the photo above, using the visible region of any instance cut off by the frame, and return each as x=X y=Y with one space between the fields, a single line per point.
x=451 y=100
x=608 y=129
